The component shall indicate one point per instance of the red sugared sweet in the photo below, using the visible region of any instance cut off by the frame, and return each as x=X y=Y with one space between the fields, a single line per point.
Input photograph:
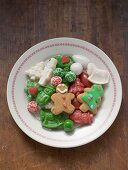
x=77 y=87
x=84 y=79
x=56 y=80
x=65 y=59
x=32 y=107
x=81 y=118
x=87 y=117
x=76 y=117
x=33 y=90
x=75 y=103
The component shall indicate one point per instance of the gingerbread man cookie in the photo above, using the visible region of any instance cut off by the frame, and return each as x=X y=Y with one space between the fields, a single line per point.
x=91 y=98
x=62 y=100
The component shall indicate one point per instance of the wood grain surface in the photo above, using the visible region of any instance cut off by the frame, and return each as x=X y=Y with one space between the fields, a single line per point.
x=23 y=23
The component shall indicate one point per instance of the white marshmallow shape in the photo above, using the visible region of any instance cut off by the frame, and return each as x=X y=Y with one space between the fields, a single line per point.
x=77 y=68
x=96 y=75
x=35 y=71
x=81 y=59
x=47 y=72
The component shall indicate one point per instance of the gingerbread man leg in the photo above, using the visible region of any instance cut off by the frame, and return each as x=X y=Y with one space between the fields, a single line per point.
x=56 y=110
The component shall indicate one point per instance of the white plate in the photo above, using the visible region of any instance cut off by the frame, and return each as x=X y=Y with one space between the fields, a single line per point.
x=30 y=125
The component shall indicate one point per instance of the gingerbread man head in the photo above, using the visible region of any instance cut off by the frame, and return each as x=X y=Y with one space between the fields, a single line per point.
x=61 y=88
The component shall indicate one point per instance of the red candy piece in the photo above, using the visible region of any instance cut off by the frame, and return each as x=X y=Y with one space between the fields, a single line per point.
x=65 y=59
x=76 y=117
x=32 y=107
x=75 y=103
x=84 y=79
x=81 y=118
x=77 y=87
x=33 y=90
x=87 y=118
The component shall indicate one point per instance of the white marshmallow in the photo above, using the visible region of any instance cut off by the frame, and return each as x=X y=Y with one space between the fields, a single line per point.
x=81 y=59
x=97 y=75
x=52 y=63
x=77 y=68
x=47 y=72
x=35 y=71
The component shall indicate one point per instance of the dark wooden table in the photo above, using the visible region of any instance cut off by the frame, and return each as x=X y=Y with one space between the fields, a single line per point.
x=23 y=23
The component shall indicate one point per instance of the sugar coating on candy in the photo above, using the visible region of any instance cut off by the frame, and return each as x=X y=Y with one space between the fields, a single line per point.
x=77 y=68
x=81 y=118
x=58 y=72
x=56 y=80
x=76 y=87
x=70 y=76
x=32 y=107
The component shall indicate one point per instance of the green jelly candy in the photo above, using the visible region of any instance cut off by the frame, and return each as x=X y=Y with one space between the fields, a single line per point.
x=70 y=76
x=40 y=88
x=60 y=64
x=51 y=121
x=68 y=125
x=59 y=72
x=42 y=98
x=29 y=97
x=49 y=89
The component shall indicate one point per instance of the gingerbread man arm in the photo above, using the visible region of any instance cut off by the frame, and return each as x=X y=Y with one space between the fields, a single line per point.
x=53 y=97
x=72 y=96
x=79 y=98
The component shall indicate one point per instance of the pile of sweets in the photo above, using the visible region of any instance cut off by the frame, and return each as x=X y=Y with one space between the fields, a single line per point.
x=65 y=91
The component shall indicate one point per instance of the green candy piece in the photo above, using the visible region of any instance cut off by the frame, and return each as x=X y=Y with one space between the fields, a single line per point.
x=42 y=98
x=93 y=96
x=70 y=76
x=66 y=69
x=40 y=88
x=28 y=85
x=29 y=97
x=68 y=125
x=51 y=121
x=63 y=65
x=49 y=90
x=59 y=72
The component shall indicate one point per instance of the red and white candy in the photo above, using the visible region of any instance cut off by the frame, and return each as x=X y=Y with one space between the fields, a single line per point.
x=81 y=118
x=32 y=107
x=56 y=80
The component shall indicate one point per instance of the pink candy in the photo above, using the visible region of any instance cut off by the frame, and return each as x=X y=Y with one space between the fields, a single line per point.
x=81 y=118
x=56 y=80
x=32 y=107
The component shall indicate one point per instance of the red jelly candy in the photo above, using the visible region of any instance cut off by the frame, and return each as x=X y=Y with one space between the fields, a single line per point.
x=84 y=79
x=65 y=59
x=33 y=90
x=77 y=87
x=76 y=117
x=81 y=118
x=75 y=103
x=87 y=118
